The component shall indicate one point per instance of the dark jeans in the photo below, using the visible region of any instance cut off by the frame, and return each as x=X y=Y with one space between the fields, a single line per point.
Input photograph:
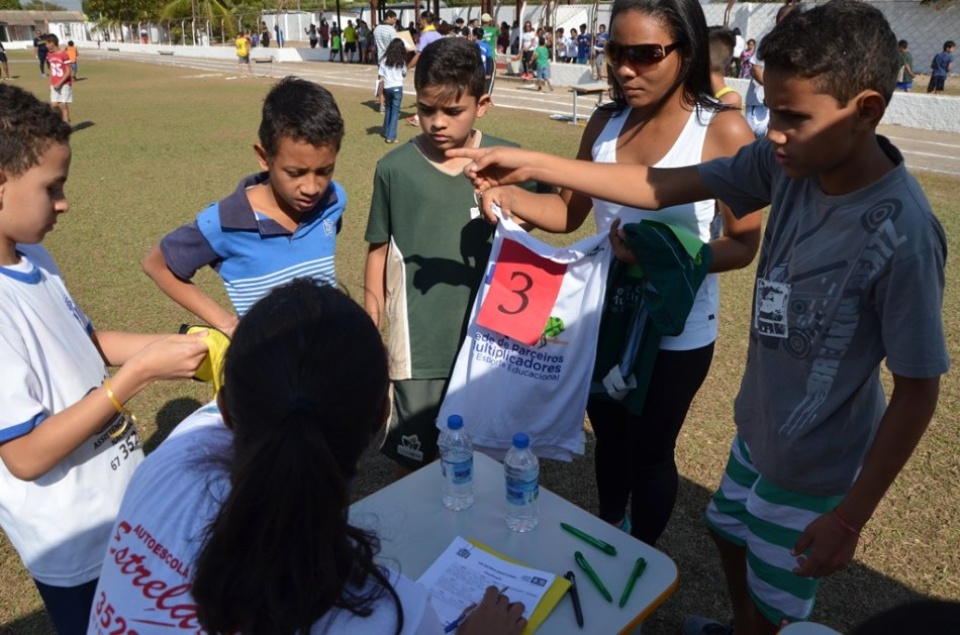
x=68 y=607
x=43 y=64
x=634 y=457
x=391 y=103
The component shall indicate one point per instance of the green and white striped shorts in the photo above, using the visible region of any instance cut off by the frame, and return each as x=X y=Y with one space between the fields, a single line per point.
x=752 y=512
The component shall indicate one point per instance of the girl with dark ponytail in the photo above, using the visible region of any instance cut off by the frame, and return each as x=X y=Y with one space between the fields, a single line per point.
x=238 y=522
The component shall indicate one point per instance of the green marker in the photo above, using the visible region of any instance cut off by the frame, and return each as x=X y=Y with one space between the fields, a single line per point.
x=583 y=564
x=636 y=573
x=590 y=540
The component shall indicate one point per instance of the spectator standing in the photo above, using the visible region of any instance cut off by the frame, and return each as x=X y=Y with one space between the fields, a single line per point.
x=385 y=32
x=745 y=58
x=242 y=45
x=74 y=55
x=584 y=42
x=311 y=32
x=503 y=40
x=490 y=33
x=264 y=35
x=349 y=41
x=940 y=66
x=543 y=64
x=363 y=40
x=61 y=77
x=41 y=51
x=906 y=74
x=560 y=45
x=572 y=47
x=324 y=34
x=528 y=44
x=598 y=46
x=4 y=68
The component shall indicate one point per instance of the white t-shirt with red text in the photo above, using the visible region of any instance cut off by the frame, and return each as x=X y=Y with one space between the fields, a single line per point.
x=174 y=496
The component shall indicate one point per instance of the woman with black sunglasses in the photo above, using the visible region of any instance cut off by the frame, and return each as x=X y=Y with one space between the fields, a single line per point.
x=663 y=113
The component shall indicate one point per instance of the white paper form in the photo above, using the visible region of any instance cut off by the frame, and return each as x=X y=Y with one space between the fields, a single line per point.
x=462 y=573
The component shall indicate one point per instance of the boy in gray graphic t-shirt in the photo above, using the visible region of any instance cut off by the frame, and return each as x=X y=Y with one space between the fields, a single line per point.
x=851 y=274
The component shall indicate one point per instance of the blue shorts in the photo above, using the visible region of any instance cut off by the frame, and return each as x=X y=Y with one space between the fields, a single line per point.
x=907 y=86
x=751 y=512
x=543 y=72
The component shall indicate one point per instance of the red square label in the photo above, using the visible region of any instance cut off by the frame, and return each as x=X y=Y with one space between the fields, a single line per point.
x=522 y=293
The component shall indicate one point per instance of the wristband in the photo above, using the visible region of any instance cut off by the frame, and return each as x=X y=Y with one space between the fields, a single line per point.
x=127 y=415
x=843 y=523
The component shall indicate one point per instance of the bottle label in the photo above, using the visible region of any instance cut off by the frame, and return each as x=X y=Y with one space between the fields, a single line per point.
x=459 y=473
x=521 y=492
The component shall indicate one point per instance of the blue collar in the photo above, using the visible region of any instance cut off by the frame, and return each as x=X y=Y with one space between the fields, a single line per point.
x=237 y=214
x=29 y=277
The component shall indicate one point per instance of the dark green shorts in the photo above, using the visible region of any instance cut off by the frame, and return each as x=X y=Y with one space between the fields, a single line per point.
x=411 y=438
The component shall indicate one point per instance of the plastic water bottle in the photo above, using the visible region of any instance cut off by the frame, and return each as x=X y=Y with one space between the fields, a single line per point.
x=456 y=463
x=522 y=471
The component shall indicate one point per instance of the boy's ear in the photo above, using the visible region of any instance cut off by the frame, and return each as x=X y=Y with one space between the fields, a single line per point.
x=262 y=157
x=482 y=104
x=870 y=108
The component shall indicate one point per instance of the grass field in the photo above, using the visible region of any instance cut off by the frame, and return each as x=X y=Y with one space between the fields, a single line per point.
x=157 y=144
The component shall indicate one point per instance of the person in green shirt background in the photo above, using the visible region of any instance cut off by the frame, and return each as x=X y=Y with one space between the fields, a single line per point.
x=542 y=54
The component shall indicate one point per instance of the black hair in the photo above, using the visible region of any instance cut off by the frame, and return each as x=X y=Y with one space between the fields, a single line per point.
x=921 y=616
x=28 y=127
x=50 y=38
x=389 y=13
x=305 y=389
x=844 y=46
x=70 y=43
x=688 y=28
x=949 y=44
x=300 y=110
x=541 y=41
x=428 y=17
x=452 y=64
x=396 y=53
x=477 y=33
x=903 y=44
x=722 y=42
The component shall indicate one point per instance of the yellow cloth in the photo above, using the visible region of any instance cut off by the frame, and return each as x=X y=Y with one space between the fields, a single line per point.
x=210 y=369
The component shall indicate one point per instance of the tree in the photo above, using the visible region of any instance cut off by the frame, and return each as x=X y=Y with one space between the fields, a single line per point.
x=122 y=10
x=10 y=5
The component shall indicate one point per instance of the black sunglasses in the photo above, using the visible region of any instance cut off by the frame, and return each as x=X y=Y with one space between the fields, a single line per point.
x=639 y=54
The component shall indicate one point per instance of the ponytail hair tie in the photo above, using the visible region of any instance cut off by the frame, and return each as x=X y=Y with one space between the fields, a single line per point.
x=303 y=404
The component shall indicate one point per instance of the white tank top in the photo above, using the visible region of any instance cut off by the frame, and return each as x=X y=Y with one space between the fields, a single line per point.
x=701 y=328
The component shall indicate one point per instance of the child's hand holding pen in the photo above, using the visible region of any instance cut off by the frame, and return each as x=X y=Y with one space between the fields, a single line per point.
x=495 y=614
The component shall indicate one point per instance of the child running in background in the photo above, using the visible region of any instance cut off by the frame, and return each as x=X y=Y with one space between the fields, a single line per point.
x=542 y=54
x=249 y=497
x=393 y=68
x=277 y=225
x=428 y=247
x=850 y=275
x=68 y=445
x=73 y=54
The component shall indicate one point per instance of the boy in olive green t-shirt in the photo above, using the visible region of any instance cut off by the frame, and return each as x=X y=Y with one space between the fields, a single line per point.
x=428 y=245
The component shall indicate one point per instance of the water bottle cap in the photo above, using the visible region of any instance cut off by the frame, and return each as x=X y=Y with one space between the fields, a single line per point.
x=521 y=440
x=454 y=422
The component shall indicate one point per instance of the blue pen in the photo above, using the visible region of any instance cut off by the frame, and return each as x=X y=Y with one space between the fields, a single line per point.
x=455 y=624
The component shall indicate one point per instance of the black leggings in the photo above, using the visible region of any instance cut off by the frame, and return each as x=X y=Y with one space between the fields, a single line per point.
x=634 y=454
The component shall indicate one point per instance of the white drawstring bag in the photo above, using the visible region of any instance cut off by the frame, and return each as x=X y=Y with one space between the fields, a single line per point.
x=526 y=361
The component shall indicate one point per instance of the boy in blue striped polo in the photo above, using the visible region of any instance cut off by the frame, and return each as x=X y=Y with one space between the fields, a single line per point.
x=279 y=224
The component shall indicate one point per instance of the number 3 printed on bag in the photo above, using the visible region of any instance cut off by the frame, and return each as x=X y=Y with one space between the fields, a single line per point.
x=522 y=293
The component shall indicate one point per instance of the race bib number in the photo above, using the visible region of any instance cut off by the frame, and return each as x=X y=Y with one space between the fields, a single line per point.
x=522 y=293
